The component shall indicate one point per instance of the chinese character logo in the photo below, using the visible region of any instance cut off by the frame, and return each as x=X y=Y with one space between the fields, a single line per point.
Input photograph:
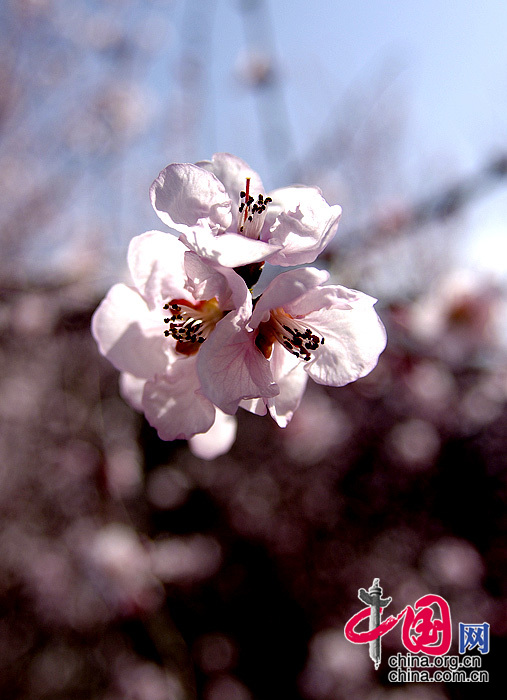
x=426 y=626
x=373 y=598
x=472 y=636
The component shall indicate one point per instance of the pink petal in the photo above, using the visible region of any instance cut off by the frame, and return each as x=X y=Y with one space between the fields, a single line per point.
x=227 y=249
x=257 y=406
x=207 y=279
x=131 y=390
x=128 y=334
x=233 y=172
x=156 y=263
x=290 y=375
x=354 y=338
x=327 y=297
x=184 y=196
x=302 y=222
x=174 y=405
x=291 y=378
x=231 y=367
x=217 y=440
x=284 y=289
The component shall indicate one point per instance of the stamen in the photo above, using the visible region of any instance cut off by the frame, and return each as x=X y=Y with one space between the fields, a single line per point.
x=293 y=334
x=190 y=324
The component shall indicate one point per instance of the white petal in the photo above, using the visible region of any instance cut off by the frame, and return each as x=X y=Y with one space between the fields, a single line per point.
x=156 y=263
x=257 y=406
x=228 y=249
x=354 y=338
x=231 y=367
x=207 y=279
x=233 y=172
x=302 y=222
x=218 y=440
x=327 y=297
x=184 y=196
x=131 y=390
x=291 y=378
x=289 y=373
x=284 y=289
x=174 y=405
x=204 y=280
x=128 y=334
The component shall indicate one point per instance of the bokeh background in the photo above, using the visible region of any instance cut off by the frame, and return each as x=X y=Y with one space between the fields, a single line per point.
x=132 y=570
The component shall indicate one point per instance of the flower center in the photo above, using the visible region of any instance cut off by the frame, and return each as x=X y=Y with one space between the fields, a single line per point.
x=251 y=212
x=295 y=336
x=191 y=323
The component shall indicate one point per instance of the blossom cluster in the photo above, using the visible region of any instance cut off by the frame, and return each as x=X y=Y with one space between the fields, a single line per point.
x=190 y=338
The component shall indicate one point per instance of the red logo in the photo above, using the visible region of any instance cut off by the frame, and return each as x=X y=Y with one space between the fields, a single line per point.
x=426 y=626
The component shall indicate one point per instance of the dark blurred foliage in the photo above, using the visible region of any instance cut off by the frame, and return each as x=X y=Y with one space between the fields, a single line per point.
x=132 y=570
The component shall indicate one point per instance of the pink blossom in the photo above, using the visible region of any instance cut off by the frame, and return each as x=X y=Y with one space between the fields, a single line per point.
x=155 y=330
x=189 y=340
x=304 y=328
x=220 y=208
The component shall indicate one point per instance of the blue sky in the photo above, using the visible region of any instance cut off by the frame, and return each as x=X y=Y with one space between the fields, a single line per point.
x=449 y=57
x=443 y=61
x=435 y=70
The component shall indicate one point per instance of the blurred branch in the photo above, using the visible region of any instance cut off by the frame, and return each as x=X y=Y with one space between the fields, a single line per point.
x=437 y=207
x=263 y=74
x=24 y=222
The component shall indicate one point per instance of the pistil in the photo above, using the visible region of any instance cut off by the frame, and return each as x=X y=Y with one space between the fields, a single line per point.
x=251 y=212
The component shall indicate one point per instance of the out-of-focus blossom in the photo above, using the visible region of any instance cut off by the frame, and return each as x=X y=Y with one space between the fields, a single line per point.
x=167 y=487
x=214 y=653
x=315 y=429
x=30 y=8
x=226 y=688
x=137 y=680
x=255 y=68
x=120 y=567
x=152 y=332
x=305 y=328
x=432 y=384
x=453 y=562
x=116 y=115
x=220 y=208
x=484 y=402
x=123 y=470
x=415 y=442
x=183 y=560
x=457 y=317
x=335 y=667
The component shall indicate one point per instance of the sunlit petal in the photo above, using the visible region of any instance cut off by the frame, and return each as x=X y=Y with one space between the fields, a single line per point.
x=128 y=333
x=217 y=440
x=185 y=196
x=174 y=405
